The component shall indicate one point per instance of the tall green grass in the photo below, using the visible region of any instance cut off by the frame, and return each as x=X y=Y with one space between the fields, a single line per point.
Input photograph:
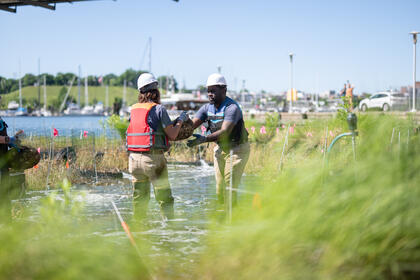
x=312 y=219
x=344 y=220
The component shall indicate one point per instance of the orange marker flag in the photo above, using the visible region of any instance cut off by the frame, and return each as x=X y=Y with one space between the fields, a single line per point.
x=256 y=201
x=67 y=165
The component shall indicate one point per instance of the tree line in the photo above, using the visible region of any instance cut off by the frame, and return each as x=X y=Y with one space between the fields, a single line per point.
x=64 y=79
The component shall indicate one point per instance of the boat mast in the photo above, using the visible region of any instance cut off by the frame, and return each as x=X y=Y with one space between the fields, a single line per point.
x=86 y=92
x=20 y=92
x=124 y=93
x=106 y=98
x=39 y=81
x=20 y=87
x=45 y=94
x=78 y=87
x=150 y=54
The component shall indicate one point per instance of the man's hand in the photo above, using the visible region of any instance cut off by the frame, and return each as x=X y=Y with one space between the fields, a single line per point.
x=199 y=139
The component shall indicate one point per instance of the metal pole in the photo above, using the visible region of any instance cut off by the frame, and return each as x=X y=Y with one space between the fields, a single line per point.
x=94 y=157
x=414 y=77
x=414 y=33
x=353 y=141
x=291 y=82
x=284 y=147
x=50 y=160
x=230 y=186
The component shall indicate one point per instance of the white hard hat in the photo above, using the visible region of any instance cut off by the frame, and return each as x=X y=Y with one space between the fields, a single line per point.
x=216 y=80
x=145 y=79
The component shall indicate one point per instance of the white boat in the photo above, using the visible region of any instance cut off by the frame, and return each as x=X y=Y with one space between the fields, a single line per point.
x=21 y=111
x=72 y=109
x=87 y=110
x=13 y=105
x=125 y=111
x=99 y=109
x=45 y=113
x=13 y=109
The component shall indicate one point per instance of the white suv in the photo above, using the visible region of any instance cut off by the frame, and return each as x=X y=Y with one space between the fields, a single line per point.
x=385 y=101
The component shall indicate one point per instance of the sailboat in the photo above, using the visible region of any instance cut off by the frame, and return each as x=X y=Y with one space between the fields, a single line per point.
x=21 y=111
x=43 y=112
x=125 y=110
x=89 y=110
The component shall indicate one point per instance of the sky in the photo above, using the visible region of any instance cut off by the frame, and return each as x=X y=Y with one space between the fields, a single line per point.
x=365 y=42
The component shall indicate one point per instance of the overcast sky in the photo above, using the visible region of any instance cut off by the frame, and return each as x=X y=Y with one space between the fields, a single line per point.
x=366 y=42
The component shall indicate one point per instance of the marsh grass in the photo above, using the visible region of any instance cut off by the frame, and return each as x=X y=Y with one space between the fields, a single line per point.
x=60 y=245
x=348 y=220
x=316 y=219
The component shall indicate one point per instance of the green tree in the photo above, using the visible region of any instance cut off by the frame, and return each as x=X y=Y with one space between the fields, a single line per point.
x=29 y=80
x=131 y=76
x=93 y=81
x=166 y=82
x=49 y=79
x=63 y=79
x=110 y=79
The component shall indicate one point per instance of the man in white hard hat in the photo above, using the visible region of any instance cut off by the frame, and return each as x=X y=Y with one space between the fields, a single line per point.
x=148 y=136
x=227 y=128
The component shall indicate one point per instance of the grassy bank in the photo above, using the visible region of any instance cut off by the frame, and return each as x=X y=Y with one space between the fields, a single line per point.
x=30 y=94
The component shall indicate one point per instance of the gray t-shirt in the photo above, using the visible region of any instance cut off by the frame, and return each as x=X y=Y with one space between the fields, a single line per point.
x=158 y=117
x=232 y=112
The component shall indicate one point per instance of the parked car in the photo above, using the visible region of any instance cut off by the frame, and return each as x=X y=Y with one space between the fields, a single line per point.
x=384 y=101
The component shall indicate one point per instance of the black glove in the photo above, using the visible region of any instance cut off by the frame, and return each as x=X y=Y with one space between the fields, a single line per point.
x=183 y=117
x=199 y=139
x=14 y=142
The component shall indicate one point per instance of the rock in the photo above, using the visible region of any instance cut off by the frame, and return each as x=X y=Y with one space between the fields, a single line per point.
x=186 y=130
x=23 y=159
x=66 y=154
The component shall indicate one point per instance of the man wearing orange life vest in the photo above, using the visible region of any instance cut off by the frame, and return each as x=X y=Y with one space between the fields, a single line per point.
x=148 y=136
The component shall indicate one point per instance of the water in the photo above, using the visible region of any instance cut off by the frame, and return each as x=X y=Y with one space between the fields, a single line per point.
x=64 y=124
x=193 y=188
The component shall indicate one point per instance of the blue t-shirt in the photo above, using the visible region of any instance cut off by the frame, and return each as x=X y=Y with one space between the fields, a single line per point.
x=232 y=112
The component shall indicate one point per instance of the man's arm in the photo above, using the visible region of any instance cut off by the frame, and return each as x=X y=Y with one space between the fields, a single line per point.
x=200 y=116
x=227 y=127
x=196 y=122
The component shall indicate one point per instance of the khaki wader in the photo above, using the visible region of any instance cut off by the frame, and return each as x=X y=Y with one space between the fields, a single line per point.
x=222 y=168
x=146 y=168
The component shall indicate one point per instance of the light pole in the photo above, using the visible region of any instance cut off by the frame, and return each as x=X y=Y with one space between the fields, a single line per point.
x=291 y=82
x=414 y=33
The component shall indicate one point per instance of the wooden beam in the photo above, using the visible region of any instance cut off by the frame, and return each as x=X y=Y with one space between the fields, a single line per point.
x=8 y=9
x=40 y=4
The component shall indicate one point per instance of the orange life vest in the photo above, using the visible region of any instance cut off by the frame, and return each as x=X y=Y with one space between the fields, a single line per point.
x=140 y=136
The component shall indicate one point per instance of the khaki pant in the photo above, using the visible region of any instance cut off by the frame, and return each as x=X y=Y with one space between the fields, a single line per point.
x=149 y=168
x=222 y=167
